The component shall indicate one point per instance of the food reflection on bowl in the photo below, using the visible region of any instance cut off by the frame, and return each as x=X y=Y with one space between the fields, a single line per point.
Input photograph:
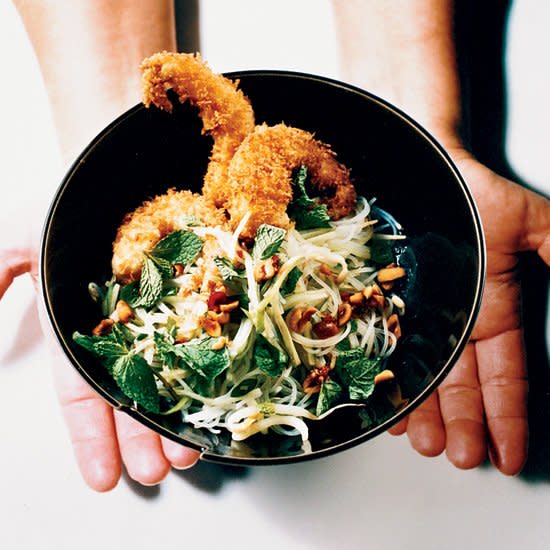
x=146 y=152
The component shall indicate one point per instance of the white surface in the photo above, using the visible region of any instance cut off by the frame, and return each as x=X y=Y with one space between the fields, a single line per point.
x=378 y=496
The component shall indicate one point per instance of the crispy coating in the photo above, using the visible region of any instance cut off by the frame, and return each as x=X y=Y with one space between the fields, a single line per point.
x=145 y=226
x=260 y=176
x=250 y=168
x=225 y=111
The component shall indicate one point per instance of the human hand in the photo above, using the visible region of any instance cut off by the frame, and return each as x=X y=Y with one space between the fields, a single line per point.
x=103 y=439
x=481 y=407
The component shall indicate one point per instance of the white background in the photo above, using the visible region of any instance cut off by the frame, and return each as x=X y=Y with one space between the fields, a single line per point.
x=378 y=496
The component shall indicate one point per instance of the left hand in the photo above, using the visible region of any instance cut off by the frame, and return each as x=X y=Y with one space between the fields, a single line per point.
x=103 y=438
x=481 y=407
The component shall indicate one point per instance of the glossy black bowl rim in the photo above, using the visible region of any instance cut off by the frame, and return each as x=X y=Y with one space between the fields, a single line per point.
x=205 y=453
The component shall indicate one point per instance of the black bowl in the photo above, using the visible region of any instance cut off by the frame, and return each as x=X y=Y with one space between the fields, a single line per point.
x=146 y=151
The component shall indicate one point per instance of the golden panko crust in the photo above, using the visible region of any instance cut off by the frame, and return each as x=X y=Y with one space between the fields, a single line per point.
x=225 y=111
x=260 y=176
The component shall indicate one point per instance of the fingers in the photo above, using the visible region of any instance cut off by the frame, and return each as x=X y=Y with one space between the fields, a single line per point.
x=462 y=413
x=91 y=428
x=179 y=456
x=425 y=428
x=13 y=263
x=400 y=428
x=503 y=377
x=141 y=450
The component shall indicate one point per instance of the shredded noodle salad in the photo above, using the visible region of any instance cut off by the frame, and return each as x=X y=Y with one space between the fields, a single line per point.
x=251 y=338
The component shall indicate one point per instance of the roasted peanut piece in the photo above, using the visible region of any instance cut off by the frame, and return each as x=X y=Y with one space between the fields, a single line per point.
x=212 y=327
x=178 y=270
x=344 y=314
x=384 y=376
x=221 y=317
x=374 y=297
x=325 y=270
x=315 y=378
x=103 y=328
x=267 y=269
x=216 y=299
x=123 y=312
x=356 y=299
x=326 y=327
x=220 y=343
x=394 y=326
x=299 y=317
x=388 y=274
x=229 y=306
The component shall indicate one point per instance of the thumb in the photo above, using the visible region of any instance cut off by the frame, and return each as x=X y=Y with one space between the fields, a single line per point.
x=14 y=262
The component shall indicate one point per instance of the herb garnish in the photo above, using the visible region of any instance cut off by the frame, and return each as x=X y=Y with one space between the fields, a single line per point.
x=268 y=358
x=307 y=213
x=267 y=241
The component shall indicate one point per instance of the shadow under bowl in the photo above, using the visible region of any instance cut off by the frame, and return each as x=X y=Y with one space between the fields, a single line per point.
x=146 y=151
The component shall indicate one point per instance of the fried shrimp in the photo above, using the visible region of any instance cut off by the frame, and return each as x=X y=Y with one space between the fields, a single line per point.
x=225 y=111
x=145 y=226
x=260 y=177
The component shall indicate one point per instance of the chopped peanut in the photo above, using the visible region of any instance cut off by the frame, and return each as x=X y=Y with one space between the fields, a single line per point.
x=229 y=306
x=384 y=376
x=356 y=299
x=221 y=317
x=325 y=270
x=374 y=297
x=123 y=312
x=299 y=317
x=394 y=326
x=344 y=314
x=212 y=327
x=315 y=378
x=266 y=269
x=103 y=328
x=220 y=343
x=178 y=270
x=392 y=273
x=326 y=327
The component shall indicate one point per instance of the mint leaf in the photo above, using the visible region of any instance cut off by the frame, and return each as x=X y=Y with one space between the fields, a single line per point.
x=267 y=241
x=381 y=252
x=357 y=372
x=165 y=349
x=150 y=284
x=227 y=270
x=178 y=247
x=306 y=212
x=130 y=294
x=165 y=267
x=108 y=348
x=267 y=357
x=135 y=378
x=290 y=282
x=201 y=358
x=330 y=393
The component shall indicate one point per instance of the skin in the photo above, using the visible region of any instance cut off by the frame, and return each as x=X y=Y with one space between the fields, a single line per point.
x=403 y=51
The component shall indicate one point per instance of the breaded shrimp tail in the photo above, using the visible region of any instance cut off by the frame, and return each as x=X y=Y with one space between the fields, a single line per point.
x=144 y=227
x=225 y=111
x=260 y=177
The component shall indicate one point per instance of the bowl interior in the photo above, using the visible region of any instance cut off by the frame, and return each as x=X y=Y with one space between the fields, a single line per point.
x=146 y=151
